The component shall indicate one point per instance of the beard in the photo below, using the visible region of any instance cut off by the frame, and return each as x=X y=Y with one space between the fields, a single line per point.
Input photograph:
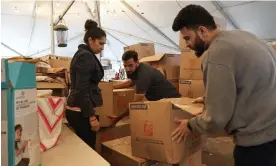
x=132 y=75
x=200 y=46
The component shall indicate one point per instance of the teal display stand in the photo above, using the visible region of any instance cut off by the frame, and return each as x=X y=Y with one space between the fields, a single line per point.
x=22 y=77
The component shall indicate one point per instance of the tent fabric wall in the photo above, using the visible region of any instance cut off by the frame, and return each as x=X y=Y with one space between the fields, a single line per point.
x=26 y=24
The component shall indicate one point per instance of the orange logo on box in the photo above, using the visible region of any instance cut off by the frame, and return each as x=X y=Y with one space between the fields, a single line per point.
x=148 y=128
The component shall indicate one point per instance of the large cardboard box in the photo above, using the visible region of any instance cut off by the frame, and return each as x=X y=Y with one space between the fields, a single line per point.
x=119 y=153
x=151 y=135
x=169 y=63
x=115 y=101
x=191 y=88
x=190 y=66
x=58 y=61
x=111 y=133
x=143 y=49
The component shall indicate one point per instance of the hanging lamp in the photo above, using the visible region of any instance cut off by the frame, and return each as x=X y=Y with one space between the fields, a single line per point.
x=62 y=34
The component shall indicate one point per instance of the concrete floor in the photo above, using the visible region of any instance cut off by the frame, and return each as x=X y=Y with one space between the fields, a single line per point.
x=218 y=152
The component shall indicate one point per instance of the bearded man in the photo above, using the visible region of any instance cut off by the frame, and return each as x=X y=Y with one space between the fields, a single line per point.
x=239 y=74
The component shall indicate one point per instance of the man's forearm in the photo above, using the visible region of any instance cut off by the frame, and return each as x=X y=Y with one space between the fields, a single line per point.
x=122 y=85
x=120 y=117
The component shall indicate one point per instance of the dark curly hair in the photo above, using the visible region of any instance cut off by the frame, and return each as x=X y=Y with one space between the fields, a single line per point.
x=130 y=55
x=193 y=16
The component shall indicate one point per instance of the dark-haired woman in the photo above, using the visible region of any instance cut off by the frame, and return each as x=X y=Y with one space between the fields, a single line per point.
x=86 y=72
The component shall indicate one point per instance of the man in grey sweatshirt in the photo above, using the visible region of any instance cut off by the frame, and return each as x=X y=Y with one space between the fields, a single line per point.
x=239 y=73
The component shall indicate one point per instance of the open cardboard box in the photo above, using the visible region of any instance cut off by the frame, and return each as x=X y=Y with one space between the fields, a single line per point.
x=115 y=101
x=142 y=49
x=152 y=123
x=118 y=152
x=168 y=63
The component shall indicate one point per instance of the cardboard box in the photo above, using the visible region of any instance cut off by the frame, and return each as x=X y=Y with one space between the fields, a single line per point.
x=143 y=49
x=115 y=101
x=274 y=46
x=111 y=133
x=191 y=88
x=192 y=160
x=151 y=136
x=58 y=61
x=168 y=62
x=119 y=153
x=182 y=43
x=190 y=66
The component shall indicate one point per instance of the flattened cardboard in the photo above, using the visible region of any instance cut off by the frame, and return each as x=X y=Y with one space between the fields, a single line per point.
x=191 y=88
x=151 y=136
x=163 y=59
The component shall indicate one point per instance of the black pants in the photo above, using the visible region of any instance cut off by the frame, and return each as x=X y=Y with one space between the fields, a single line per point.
x=82 y=127
x=24 y=162
x=261 y=155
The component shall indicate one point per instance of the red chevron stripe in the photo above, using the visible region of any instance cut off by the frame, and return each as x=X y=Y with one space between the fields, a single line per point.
x=50 y=128
x=57 y=140
x=53 y=104
x=43 y=147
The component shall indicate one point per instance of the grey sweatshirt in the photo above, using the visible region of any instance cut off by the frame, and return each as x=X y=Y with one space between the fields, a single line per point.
x=239 y=72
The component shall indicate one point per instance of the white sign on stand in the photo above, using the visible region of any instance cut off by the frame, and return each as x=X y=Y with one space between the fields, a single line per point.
x=26 y=118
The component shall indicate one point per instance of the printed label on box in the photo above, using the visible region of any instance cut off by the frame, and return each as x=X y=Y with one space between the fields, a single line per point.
x=138 y=106
x=27 y=142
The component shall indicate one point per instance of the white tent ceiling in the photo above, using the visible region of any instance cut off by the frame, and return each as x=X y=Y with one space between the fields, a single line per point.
x=25 y=25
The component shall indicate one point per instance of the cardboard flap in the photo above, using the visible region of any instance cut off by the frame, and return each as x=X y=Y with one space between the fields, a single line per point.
x=186 y=105
x=153 y=58
x=122 y=92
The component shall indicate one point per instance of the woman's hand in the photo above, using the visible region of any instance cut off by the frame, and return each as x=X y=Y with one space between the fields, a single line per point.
x=94 y=123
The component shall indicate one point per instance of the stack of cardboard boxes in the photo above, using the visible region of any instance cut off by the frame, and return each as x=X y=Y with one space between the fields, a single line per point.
x=191 y=77
x=152 y=122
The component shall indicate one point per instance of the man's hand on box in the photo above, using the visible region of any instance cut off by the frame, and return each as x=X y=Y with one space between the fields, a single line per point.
x=181 y=131
x=199 y=100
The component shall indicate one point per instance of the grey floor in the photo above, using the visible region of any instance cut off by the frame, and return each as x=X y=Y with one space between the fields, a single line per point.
x=218 y=152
